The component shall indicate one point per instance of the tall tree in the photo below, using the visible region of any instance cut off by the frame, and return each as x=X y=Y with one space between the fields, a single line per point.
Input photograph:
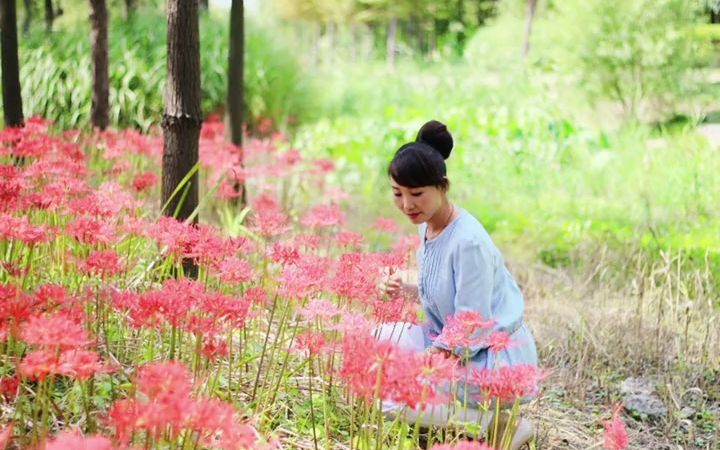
x=529 y=17
x=129 y=9
x=391 y=42
x=182 y=116
x=100 y=114
x=49 y=15
x=28 y=16
x=12 y=97
x=236 y=84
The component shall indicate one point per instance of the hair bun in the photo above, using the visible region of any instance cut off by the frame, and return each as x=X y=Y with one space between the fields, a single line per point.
x=436 y=135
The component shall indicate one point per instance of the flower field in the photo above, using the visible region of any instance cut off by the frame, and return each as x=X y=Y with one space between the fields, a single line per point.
x=107 y=342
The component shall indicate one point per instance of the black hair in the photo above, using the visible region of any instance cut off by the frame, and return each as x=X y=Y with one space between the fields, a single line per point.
x=422 y=162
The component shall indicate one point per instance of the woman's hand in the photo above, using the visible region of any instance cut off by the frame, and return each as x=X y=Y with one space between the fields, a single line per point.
x=446 y=353
x=395 y=287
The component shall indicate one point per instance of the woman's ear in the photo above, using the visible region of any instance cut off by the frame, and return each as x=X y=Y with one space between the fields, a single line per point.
x=446 y=187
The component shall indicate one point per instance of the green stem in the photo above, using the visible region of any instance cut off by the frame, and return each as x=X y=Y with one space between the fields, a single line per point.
x=312 y=408
x=264 y=349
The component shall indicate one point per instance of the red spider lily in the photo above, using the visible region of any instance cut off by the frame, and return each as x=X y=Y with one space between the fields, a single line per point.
x=319 y=309
x=144 y=181
x=356 y=277
x=208 y=246
x=615 y=436
x=227 y=189
x=89 y=230
x=406 y=244
x=102 y=262
x=307 y=241
x=214 y=348
x=165 y=378
x=38 y=365
x=349 y=239
x=284 y=254
x=353 y=323
x=385 y=225
x=128 y=141
x=235 y=270
x=290 y=157
x=81 y=364
x=123 y=416
x=464 y=329
x=52 y=295
x=14 y=269
x=437 y=368
x=68 y=440
x=462 y=445
x=54 y=332
x=324 y=165
x=323 y=216
x=169 y=407
x=15 y=305
x=9 y=387
x=209 y=415
x=173 y=237
x=305 y=278
x=506 y=383
x=240 y=436
x=78 y=364
x=256 y=296
x=268 y=219
x=107 y=201
x=403 y=375
x=391 y=261
x=169 y=305
x=20 y=229
x=396 y=309
x=11 y=185
x=312 y=341
x=499 y=341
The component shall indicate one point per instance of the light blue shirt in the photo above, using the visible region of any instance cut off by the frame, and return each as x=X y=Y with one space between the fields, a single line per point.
x=461 y=269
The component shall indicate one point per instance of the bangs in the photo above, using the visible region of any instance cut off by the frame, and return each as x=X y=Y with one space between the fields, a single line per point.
x=413 y=166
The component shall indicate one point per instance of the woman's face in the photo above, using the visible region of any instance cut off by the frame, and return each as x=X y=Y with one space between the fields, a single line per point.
x=418 y=204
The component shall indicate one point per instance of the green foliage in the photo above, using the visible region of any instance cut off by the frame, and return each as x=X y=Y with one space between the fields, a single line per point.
x=634 y=52
x=57 y=81
x=537 y=177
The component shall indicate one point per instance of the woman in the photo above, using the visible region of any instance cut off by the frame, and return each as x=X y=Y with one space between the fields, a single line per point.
x=459 y=269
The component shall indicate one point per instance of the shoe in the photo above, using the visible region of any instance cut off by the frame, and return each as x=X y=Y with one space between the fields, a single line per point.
x=524 y=433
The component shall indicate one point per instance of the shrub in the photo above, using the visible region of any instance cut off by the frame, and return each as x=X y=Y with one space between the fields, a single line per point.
x=635 y=52
x=57 y=80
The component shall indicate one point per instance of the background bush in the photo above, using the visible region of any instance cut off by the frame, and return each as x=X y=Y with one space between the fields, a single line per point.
x=56 y=74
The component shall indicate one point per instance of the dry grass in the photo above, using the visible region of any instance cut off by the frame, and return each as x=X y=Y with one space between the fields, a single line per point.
x=597 y=326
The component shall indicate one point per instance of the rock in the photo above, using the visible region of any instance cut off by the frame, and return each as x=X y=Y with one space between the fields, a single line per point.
x=640 y=398
x=686 y=412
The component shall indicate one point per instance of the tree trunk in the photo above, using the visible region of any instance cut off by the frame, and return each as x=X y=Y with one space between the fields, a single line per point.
x=129 y=9
x=100 y=114
x=330 y=34
x=182 y=117
x=236 y=85
x=27 y=20
x=12 y=97
x=315 y=52
x=460 y=37
x=391 y=45
x=532 y=4
x=49 y=14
